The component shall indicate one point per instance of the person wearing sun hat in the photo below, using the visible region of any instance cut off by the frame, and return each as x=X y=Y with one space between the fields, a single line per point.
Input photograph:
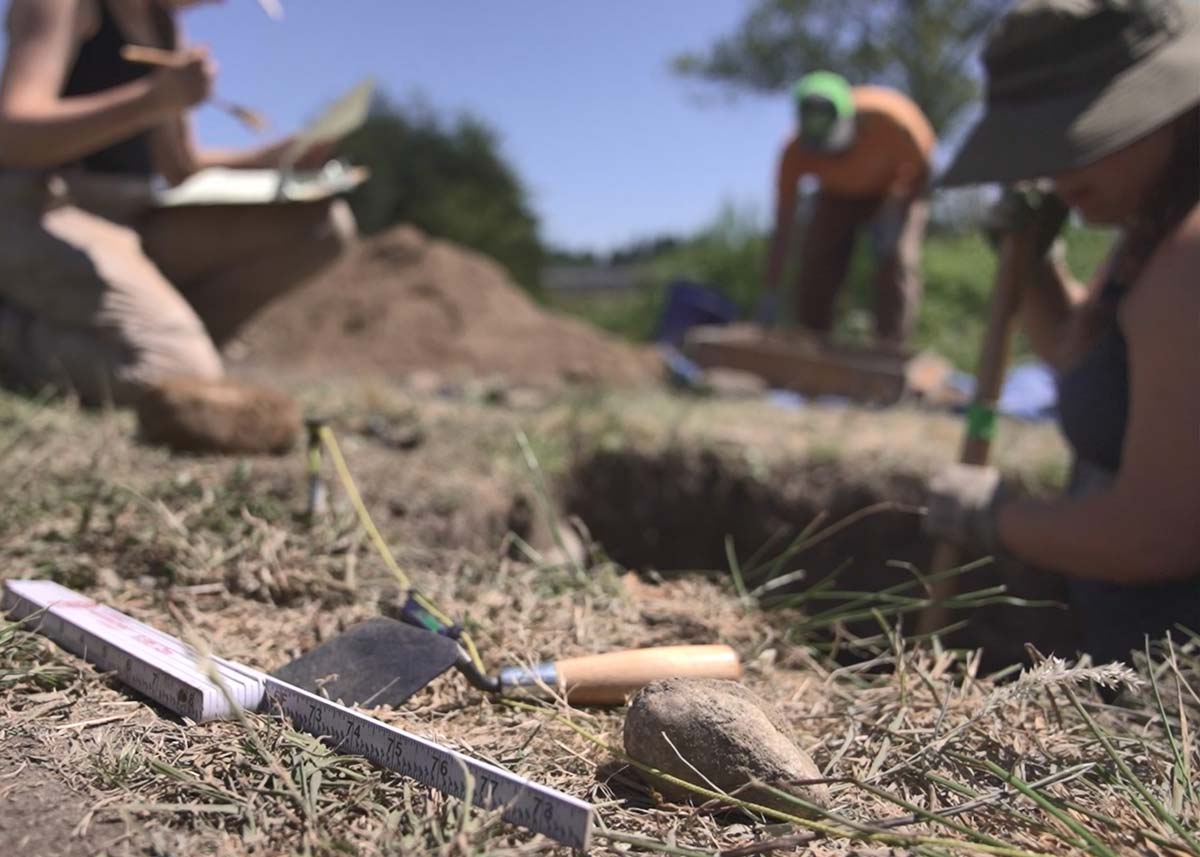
x=1100 y=100
x=101 y=292
x=869 y=148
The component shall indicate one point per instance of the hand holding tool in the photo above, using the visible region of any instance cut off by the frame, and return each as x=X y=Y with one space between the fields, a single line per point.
x=145 y=55
x=1031 y=207
x=962 y=505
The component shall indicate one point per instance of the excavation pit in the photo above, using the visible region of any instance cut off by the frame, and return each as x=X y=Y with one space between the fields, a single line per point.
x=682 y=510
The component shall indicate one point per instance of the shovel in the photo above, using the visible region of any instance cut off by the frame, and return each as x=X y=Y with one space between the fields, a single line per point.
x=384 y=662
x=981 y=415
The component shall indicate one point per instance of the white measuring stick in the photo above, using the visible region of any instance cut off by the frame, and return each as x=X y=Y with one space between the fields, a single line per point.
x=156 y=664
x=522 y=802
x=164 y=669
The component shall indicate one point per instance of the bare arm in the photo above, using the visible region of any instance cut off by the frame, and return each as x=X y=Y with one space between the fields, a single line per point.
x=1047 y=304
x=177 y=155
x=1146 y=528
x=269 y=156
x=785 y=218
x=38 y=129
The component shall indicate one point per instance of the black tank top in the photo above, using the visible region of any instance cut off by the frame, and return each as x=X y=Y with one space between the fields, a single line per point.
x=98 y=67
x=1093 y=395
x=1093 y=410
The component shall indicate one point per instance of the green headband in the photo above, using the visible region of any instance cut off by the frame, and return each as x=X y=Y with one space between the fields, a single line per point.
x=825 y=84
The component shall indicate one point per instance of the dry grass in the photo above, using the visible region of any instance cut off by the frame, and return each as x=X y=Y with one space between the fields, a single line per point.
x=924 y=754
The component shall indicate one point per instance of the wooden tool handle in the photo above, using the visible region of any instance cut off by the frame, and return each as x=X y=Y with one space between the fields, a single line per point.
x=609 y=679
x=936 y=614
x=145 y=55
x=977 y=444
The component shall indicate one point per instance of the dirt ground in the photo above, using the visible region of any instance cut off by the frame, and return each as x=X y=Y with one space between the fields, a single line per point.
x=404 y=303
x=43 y=816
x=554 y=524
x=531 y=479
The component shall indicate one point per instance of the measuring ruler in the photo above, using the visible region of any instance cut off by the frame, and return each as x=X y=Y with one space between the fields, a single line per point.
x=151 y=662
x=522 y=802
x=165 y=669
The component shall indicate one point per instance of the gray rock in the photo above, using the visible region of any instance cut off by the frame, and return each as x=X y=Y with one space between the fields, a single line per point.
x=727 y=734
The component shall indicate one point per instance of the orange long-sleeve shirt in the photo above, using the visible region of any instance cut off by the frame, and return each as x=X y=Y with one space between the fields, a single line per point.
x=891 y=153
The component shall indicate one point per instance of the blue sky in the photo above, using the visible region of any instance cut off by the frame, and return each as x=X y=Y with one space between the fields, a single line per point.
x=611 y=145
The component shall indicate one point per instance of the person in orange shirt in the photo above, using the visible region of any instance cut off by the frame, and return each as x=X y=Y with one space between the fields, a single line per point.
x=869 y=148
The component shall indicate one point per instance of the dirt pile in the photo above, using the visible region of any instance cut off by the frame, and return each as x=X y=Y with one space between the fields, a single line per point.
x=405 y=302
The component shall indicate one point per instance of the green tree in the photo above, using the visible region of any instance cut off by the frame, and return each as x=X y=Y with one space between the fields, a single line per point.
x=925 y=48
x=448 y=179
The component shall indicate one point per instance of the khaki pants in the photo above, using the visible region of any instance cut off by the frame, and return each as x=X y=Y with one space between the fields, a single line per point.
x=896 y=229
x=104 y=300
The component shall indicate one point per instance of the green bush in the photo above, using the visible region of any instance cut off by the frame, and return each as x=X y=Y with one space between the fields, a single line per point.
x=730 y=254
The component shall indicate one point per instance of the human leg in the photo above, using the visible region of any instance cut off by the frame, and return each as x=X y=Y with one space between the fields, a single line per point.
x=825 y=258
x=898 y=233
x=84 y=309
x=231 y=261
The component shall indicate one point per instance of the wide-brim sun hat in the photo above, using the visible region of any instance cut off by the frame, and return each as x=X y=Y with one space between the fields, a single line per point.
x=1070 y=81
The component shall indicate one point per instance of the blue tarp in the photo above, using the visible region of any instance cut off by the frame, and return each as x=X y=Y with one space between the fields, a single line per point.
x=691 y=304
x=1029 y=392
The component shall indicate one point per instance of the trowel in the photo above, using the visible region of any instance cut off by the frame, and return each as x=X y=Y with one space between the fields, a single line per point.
x=385 y=661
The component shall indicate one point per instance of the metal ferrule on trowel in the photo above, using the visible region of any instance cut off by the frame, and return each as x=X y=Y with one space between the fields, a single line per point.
x=595 y=679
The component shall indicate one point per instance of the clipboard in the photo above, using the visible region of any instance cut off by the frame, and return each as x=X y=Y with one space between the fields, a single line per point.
x=224 y=186
x=220 y=186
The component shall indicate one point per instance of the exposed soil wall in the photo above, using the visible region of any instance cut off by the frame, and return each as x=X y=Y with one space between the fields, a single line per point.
x=672 y=511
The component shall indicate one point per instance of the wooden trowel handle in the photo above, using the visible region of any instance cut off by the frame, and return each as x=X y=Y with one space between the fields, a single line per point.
x=609 y=679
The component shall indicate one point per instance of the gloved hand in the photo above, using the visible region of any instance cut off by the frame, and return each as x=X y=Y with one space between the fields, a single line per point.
x=1027 y=207
x=962 y=506
x=767 y=311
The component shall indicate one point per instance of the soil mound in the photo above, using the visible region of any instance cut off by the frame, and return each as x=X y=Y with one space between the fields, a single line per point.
x=405 y=302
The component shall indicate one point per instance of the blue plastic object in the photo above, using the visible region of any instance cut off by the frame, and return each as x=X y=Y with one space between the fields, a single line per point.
x=786 y=399
x=691 y=304
x=1029 y=392
x=681 y=372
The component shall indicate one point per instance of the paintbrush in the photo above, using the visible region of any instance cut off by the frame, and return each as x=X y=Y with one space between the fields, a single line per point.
x=144 y=55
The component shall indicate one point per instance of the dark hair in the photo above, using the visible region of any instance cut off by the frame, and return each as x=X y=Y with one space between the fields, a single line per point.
x=1177 y=193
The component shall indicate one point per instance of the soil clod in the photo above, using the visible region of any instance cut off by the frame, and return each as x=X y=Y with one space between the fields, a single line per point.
x=225 y=417
x=719 y=734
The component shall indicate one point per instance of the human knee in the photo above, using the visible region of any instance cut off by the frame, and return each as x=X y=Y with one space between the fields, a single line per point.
x=189 y=355
x=195 y=357
x=99 y=365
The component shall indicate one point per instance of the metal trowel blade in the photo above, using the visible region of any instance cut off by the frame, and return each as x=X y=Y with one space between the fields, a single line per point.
x=377 y=662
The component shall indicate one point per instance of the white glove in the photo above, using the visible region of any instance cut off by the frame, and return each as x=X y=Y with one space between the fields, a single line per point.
x=962 y=506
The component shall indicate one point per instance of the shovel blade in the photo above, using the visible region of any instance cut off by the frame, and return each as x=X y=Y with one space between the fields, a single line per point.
x=377 y=662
